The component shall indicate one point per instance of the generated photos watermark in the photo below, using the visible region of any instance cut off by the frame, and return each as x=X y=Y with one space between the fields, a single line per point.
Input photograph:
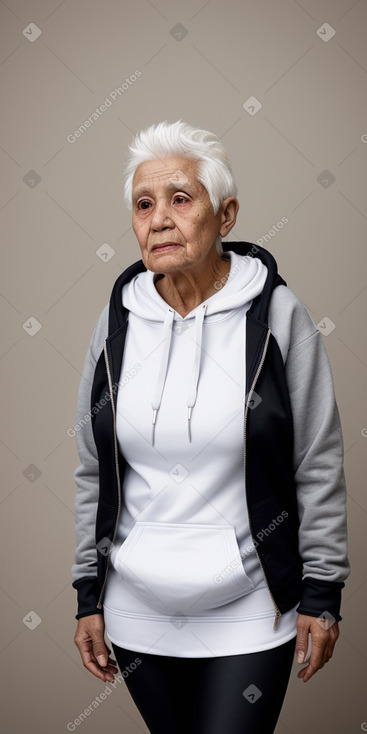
x=237 y=561
x=125 y=379
x=115 y=94
x=72 y=725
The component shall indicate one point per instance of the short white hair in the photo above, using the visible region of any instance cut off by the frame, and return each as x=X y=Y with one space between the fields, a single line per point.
x=164 y=140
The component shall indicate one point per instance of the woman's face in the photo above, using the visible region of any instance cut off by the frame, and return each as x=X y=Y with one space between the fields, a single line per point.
x=170 y=205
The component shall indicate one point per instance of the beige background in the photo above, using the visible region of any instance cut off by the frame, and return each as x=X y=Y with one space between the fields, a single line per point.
x=61 y=201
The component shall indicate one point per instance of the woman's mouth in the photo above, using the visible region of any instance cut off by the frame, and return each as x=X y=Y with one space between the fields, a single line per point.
x=165 y=248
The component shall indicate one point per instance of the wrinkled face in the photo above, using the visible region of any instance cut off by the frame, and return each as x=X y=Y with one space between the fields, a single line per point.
x=170 y=207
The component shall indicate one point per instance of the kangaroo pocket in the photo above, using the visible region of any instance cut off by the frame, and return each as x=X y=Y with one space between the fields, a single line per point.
x=188 y=568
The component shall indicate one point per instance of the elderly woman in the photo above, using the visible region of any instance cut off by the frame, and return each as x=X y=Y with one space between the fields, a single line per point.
x=210 y=505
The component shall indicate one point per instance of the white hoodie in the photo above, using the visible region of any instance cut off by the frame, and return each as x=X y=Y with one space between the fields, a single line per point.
x=185 y=579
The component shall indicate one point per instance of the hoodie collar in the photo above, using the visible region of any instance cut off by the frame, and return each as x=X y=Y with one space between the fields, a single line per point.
x=118 y=314
x=245 y=281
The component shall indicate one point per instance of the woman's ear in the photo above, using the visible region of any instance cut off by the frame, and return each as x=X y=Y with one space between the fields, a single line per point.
x=229 y=211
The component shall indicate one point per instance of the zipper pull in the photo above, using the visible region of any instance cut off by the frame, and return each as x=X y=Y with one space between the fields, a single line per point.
x=277 y=615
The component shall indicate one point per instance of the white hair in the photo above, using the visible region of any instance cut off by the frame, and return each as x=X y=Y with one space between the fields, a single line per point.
x=165 y=140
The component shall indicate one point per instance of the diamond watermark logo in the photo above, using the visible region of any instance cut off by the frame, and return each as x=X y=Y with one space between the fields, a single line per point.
x=252 y=693
x=326 y=620
x=252 y=400
x=32 y=620
x=326 y=326
x=178 y=32
x=326 y=179
x=31 y=472
x=179 y=473
x=178 y=620
x=31 y=32
x=32 y=179
x=32 y=326
x=105 y=546
x=105 y=252
x=326 y=32
x=252 y=105
x=179 y=178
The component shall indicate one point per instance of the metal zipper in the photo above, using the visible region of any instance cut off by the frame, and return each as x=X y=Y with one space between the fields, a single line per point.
x=99 y=604
x=277 y=612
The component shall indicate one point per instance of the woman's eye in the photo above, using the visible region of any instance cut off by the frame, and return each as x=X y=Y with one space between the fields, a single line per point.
x=145 y=204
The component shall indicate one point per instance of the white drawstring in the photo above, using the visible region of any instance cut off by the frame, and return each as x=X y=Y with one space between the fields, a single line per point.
x=162 y=372
x=157 y=397
x=191 y=398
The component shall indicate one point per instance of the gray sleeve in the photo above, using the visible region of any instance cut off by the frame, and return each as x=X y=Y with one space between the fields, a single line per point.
x=86 y=476
x=318 y=446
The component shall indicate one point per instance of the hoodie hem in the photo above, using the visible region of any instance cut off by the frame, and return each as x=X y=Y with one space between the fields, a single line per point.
x=198 y=637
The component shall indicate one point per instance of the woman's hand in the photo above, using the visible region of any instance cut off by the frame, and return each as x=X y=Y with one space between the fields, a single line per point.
x=89 y=639
x=324 y=635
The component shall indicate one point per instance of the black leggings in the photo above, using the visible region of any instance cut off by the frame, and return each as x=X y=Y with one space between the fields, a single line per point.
x=233 y=694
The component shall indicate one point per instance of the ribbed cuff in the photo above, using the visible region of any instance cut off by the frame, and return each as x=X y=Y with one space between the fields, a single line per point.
x=88 y=594
x=321 y=598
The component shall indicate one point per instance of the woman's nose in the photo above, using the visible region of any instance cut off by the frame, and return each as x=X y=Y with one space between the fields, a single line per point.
x=161 y=217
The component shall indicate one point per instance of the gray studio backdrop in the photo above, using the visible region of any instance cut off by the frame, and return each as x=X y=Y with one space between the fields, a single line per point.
x=283 y=84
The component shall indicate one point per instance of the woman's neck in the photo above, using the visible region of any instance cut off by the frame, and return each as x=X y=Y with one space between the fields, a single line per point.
x=184 y=293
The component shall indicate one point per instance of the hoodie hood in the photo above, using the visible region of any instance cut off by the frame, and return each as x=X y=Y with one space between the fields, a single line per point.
x=245 y=281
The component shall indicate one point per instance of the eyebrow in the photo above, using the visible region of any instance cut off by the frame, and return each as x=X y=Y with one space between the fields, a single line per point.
x=170 y=187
